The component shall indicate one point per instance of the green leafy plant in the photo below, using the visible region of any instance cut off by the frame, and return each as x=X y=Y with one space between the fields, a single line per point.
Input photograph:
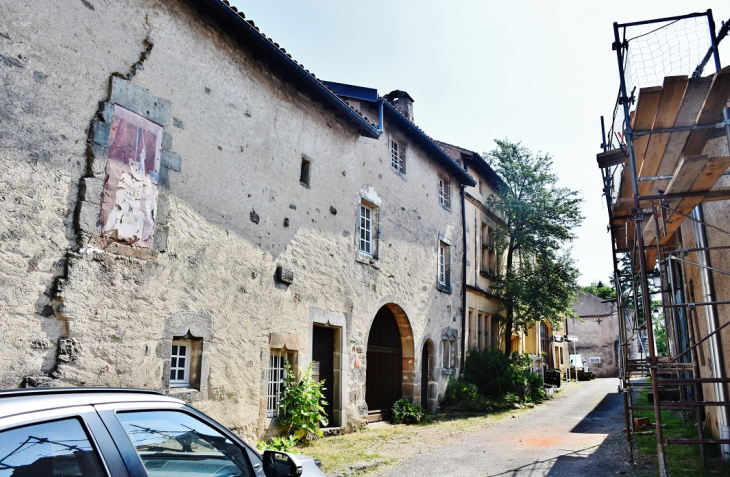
x=284 y=444
x=535 y=384
x=404 y=412
x=301 y=405
x=461 y=394
x=501 y=377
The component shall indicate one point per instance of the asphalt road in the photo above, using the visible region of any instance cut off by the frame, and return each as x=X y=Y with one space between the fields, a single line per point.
x=578 y=433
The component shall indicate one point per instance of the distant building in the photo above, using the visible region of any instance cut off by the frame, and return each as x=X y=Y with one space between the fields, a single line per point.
x=597 y=332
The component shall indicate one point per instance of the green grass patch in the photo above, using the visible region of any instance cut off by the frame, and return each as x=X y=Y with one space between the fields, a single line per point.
x=682 y=459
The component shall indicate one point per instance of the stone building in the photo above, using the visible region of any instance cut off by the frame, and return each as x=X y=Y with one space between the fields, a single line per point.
x=597 y=330
x=185 y=208
x=482 y=262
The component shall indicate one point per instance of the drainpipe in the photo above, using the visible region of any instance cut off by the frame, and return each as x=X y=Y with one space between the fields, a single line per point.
x=463 y=276
x=708 y=295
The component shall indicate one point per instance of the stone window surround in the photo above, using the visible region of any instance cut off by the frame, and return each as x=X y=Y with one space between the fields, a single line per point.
x=192 y=326
x=290 y=344
x=158 y=110
x=305 y=173
x=367 y=197
x=444 y=192
x=398 y=157
x=443 y=241
x=449 y=350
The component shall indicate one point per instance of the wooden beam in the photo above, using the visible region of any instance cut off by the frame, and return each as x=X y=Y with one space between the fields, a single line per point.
x=611 y=158
x=687 y=171
x=646 y=109
x=711 y=111
x=694 y=96
x=669 y=104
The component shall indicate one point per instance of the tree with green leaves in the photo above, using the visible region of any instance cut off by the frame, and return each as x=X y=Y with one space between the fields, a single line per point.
x=601 y=290
x=540 y=278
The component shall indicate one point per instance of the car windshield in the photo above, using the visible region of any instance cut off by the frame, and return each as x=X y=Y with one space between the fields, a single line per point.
x=174 y=443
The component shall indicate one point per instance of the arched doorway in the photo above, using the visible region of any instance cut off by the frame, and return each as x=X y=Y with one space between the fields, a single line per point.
x=390 y=362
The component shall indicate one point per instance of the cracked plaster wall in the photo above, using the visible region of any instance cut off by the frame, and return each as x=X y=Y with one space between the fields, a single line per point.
x=241 y=133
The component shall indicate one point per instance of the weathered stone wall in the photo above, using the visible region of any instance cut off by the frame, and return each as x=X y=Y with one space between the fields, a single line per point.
x=91 y=312
x=716 y=216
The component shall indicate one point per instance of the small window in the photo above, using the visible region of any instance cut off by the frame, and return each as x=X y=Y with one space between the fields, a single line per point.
x=483 y=336
x=398 y=157
x=444 y=266
x=594 y=360
x=445 y=193
x=367 y=229
x=278 y=358
x=180 y=363
x=47 y=449
x=304 y=174
x=544 y=338
x=489 y=252
x=175 y=443
x=473 y=331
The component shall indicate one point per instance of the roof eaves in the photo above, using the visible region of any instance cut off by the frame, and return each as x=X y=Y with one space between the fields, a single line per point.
x=447 y=160
x=279 y=57
x=480 y=162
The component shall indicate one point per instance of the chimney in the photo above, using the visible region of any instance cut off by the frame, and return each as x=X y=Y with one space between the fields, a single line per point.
x=402 y=101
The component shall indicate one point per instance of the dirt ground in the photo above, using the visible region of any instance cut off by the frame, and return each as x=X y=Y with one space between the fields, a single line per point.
x=579 y=432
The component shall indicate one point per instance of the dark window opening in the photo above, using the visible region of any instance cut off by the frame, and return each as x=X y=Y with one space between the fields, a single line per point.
x=304 y=175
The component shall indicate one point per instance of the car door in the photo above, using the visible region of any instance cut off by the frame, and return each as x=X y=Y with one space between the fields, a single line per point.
x=165 y=440
x=68 y=441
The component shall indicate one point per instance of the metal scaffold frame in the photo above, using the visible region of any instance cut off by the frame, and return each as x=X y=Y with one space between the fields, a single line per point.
x=680 y=371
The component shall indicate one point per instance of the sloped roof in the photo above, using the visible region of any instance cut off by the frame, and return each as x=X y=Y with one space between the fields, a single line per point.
x=282 y=64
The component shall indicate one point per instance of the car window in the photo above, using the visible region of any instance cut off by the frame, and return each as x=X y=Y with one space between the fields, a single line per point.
x=57 y=448
x=173 y=443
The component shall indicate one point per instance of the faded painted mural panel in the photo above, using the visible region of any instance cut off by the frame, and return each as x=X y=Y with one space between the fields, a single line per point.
x=130 y=191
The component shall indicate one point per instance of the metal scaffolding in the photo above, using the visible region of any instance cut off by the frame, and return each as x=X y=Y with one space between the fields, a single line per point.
x=663 y=184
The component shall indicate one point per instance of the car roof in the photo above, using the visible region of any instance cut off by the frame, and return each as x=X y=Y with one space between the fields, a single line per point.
x=19 y=401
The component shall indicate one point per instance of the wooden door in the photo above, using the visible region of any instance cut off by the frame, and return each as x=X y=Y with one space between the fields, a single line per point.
x=384 y=376
x=323 y=349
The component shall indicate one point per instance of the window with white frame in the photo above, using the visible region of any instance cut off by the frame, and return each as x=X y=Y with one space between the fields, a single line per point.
x=367 y=229
x=180 y=363
x=445 y=192
x=444 y=265
x=594 y=360
x=398 y=156
x=277 y=373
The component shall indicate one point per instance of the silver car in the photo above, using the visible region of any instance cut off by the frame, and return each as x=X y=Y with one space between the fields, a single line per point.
x=125 y=433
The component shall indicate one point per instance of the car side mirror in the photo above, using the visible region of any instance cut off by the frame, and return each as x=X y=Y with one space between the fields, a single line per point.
x=281 y=464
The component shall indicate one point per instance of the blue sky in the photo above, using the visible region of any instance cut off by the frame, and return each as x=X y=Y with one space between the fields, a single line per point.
x=532 y=71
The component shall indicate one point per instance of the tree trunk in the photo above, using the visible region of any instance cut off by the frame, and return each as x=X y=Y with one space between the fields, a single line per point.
x=509 y=308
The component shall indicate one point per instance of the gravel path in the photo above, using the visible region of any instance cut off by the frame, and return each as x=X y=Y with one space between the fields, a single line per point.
x=578 y=433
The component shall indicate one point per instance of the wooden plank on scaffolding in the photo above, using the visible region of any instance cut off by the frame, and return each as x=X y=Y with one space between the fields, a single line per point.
x=612 y=157
x=711 y=173
x=711 y=111
x=687 y=171
x=646 y=110
x=694 y=97
x=669 y=104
